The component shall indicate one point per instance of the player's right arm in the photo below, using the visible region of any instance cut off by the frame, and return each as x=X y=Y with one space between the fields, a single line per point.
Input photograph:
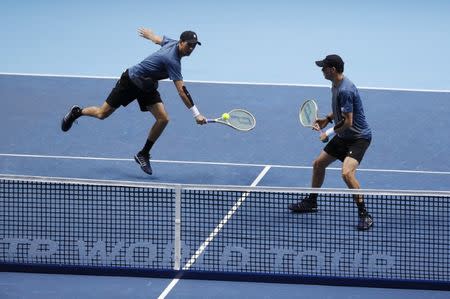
x=187 y=100
x=323 y=122
x=344 y=124
x=150 y=35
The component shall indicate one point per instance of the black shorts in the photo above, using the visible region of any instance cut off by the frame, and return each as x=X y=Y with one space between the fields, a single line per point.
x=126 y=92
x=342 y=148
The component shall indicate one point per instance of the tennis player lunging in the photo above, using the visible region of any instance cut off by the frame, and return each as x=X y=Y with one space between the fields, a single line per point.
x=141 y=82
x=353 y=136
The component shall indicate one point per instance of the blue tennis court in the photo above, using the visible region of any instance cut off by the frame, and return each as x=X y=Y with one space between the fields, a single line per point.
x=213 y=154
x=278 y=153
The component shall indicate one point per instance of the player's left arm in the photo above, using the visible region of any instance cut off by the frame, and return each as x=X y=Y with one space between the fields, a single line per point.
x=150 y=35
x=188 y=101
x=345 y=123
x=346 y=100
x=323 y=122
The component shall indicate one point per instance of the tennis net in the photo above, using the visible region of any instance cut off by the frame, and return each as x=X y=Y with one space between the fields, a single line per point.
x=223 y=231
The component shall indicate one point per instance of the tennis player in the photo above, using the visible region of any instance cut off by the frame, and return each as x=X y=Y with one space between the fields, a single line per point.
x=352 y=136
x=141 y=82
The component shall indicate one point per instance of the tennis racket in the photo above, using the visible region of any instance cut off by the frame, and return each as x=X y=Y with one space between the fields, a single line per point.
x=239 y=119
x=308 y=115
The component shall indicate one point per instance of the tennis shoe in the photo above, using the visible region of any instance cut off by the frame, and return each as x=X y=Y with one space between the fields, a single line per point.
x=304 y=206
x=144 y=161
x=365 y=221
x=70 y=117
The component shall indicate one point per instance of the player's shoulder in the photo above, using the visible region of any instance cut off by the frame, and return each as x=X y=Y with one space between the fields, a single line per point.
x=347 y=87
x=347 y=84
x=169 y=47
x=167 y=41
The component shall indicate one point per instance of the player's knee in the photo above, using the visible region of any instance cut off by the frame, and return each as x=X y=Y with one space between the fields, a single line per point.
x=317 y=164
x=347 y=175
x=102 y=115
x=164 y=120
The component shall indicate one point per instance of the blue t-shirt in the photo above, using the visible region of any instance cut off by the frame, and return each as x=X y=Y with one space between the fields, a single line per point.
x=164 y=63
x=346 y=99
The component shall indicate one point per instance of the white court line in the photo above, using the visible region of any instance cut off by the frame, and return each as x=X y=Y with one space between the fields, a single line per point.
x=58 y=76
x=230 y=82
x=222 y=163
x=214 y=233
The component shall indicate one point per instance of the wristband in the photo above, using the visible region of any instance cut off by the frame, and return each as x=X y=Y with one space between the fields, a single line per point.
x=329 y=132
x=194 y=111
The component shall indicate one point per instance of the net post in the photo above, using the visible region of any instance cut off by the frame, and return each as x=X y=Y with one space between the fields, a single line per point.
x=177 y=230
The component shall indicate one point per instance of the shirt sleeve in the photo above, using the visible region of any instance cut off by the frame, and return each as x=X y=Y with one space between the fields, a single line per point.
x=346 y=99
x=166 y=39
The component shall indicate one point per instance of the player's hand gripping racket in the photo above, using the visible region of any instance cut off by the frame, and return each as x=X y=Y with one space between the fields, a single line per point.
x=238 y=119
x=308 y=116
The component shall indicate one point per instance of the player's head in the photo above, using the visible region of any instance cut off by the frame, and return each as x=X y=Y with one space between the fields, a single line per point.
x=332 y=61
x=188 y=42
x=332 y=66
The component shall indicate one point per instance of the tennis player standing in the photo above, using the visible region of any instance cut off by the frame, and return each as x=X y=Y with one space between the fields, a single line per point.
x=141 y=82
x=351 y=140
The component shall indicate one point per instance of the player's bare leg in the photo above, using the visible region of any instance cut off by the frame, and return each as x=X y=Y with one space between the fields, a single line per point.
x=349 y=176
x=309 y=203
x=319 y=168
x=101 y=112
x=161 y=120
x=75 y=112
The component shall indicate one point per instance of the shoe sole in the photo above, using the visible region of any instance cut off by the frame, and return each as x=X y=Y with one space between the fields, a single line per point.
x=63 y=128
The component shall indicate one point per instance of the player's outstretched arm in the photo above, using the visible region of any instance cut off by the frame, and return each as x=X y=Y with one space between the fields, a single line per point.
x=187 y=100
x=150 y=35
